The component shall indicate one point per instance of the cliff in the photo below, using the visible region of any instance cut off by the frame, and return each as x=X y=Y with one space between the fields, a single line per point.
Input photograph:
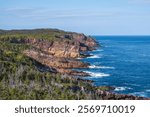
x=60 y=64
x=60 y=53
x=40 y=63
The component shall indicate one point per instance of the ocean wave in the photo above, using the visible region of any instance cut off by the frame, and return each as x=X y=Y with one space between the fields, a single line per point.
x=98 y=50
x=79 y=58
x=95 y=56
x=97 y=75
x=101 y=67
x=142 y=94
x=148 y=90
x=137 y=85
x=122 y=88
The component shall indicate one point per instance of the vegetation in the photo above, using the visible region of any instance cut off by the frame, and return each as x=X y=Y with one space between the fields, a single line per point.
x=47 y=34
x=20 y=77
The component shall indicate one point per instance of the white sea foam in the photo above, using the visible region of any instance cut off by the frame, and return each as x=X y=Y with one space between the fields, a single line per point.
x=101 y=67
x=97 y=75
x=95 y=56
x=79 y=58
x=107 y=67
x=98 y=50
x=122 y=88
x=148 y=90
x=94 y=66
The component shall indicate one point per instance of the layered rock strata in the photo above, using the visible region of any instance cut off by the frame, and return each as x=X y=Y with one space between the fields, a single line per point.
x=61 y=54
x=61 y=65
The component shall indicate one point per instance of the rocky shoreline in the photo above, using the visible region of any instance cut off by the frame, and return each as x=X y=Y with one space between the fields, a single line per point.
x=60 y=56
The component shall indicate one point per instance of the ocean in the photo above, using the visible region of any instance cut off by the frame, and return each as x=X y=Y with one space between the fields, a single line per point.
x=123 y=62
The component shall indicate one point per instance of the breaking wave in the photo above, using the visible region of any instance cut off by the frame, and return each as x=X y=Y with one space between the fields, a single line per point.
x=95 y=56
x=148 y=90
x=99 y=50
x=101 y=67
x=97 y=75
x=122 y=88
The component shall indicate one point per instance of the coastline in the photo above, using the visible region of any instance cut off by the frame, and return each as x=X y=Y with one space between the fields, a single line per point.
x=60 y=56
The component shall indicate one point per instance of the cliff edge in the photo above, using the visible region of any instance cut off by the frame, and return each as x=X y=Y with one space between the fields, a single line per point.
x=41 y=63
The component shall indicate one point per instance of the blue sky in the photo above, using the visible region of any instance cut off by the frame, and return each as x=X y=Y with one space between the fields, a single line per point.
x=93 y=17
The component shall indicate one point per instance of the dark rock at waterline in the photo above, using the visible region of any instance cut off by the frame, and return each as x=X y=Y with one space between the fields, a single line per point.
x=105 y=95
x=72 y=72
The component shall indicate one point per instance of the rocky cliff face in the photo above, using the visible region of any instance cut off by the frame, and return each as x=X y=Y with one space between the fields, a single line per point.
x=55 y=62
x=69 y=45
x=60 y=64
x=61 y=54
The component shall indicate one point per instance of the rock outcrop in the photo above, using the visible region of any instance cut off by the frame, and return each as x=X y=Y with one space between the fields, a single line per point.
x=55 y=62
x=69 y=45
x=61 y=65
x=61 y=54
x=105 y=95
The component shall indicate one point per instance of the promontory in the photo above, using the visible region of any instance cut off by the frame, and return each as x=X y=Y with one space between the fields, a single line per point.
x=41 y=63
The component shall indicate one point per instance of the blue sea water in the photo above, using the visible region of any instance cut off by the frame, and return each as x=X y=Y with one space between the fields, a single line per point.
x=123 y=62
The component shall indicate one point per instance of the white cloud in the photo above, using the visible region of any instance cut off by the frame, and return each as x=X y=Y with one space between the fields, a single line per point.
x=67 y=15
x=52 y=14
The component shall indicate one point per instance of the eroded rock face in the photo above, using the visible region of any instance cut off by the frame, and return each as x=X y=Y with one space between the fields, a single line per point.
x=55 y=62
x=85 y=41
x=61 y=53
x=62 y=65
x=68 y=49
x=65 y=49
x=69 y=45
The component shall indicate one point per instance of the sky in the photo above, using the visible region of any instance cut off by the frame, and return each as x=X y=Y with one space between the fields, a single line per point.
x=92 y=17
